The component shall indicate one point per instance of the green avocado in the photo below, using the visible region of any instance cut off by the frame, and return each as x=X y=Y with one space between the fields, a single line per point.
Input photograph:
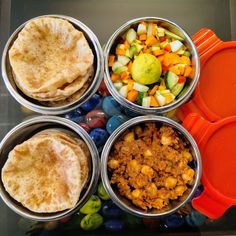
x=146 y=69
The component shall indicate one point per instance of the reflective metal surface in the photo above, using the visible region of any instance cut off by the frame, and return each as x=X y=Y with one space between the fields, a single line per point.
x=171 y=26
x=121 y=201
x=27 y=129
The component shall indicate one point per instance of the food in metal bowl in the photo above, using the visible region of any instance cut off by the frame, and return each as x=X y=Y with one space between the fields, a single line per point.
x=47 y=172
x=151 y=165
x=51 y=61
x=150 y=66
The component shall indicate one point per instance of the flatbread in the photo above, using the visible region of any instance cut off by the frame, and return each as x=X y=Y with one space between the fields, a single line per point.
x=78 y=145
x=48 y=55
x=70 y=99
x=43 y=174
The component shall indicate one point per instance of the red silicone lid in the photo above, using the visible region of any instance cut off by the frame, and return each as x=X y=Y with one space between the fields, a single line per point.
x=215 y=95
x=217 y=143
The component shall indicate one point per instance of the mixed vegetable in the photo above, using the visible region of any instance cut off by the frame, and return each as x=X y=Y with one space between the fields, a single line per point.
x=151 y=66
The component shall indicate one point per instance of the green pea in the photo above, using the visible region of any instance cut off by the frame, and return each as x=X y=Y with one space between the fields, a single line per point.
x=102 y=192
x=91 y=221
x=93 y=205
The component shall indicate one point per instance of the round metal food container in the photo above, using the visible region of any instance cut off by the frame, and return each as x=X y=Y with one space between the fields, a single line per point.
x=33 y=104
x=126 y=204
x=24 y=131
x=110 y=49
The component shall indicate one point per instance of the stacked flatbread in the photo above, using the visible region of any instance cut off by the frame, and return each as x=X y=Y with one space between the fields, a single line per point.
x=51 y=61
x=47 y=172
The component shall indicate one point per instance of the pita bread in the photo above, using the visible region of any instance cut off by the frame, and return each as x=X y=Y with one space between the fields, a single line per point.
x=79 y=147
x=50 y=59
x=43 y=174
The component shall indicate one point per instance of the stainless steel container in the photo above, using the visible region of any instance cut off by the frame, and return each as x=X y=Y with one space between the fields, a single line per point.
x=173 y=27
x=35 y=105
x=24 y=131
x=126 y=204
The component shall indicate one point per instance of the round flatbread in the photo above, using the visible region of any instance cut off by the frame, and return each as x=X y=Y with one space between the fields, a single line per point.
x=48 y=55
x=79 y=147
x=43 y=174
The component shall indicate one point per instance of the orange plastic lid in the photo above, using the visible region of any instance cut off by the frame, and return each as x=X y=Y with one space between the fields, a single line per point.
x=216 y=142
x=215 y=95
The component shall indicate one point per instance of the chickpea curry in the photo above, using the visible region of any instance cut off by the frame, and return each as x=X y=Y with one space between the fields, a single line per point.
x=151 y=165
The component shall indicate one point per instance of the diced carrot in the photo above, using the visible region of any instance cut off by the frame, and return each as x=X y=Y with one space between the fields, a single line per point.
x=154 y=102
x=160 y=58
x=130 y=66
x=111 y=60
x=144 y=23
x=175 y=58
x=192 y=73
x=162 y=85
x=127 y=44
x=153 y=90
x=120 y=51
x=154 y=29
x=132 y=95
x=168 y=98
x=167 y=47
x=114 y=77
x=142 y=37
x=151 y=40
x=181 y=69
x=187 y=71
x=130 y=84
x=167 y=59
x=175 y=69
x=158 y=52
x=146 y=50
x=124 y=75
x=185 y=60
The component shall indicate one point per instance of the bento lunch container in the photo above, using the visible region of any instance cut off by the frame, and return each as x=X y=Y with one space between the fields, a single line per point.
x=126 y=204
x=33 y=104
x=24 y=131
x=173 y=27
x=215 y=95
x=216 y=142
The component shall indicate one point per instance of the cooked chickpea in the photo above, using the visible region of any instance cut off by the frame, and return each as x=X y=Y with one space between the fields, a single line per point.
x=188 y=175
x=136 y=193
x=147 y=170
x=187 y=155
x=152 y=190
x=134 y=167
x=170 y=182
x=129 y=137
x=165 y=140
x=113 y=164
x=180 y=190
x=148 y=153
